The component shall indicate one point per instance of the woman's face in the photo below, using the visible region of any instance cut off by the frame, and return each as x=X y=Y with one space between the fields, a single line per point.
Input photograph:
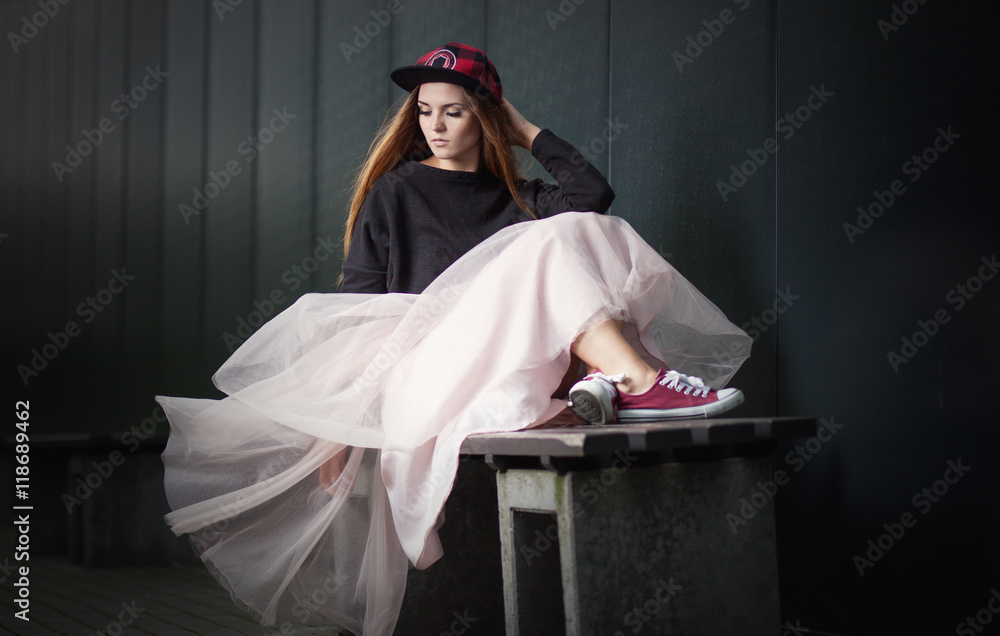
x=452 y=130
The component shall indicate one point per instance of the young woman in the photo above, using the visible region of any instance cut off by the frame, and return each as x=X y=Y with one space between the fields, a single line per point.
x=460 y=186
x=470 y=296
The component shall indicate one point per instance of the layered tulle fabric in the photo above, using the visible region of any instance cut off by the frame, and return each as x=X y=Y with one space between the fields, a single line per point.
x=310 y=489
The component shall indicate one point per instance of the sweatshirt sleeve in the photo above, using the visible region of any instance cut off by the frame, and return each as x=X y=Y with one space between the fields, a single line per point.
x=579 y=185
x=367 y=263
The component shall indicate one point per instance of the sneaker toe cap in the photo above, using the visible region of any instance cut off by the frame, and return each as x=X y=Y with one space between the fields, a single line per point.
x=730 y=395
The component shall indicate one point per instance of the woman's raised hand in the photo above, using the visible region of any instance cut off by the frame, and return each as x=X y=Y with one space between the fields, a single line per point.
x=524 y=130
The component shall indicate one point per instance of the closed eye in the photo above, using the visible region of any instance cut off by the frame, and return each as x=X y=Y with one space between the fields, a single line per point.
x=451 y=114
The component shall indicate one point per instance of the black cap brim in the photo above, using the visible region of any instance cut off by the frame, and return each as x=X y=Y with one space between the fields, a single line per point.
x=410 y=77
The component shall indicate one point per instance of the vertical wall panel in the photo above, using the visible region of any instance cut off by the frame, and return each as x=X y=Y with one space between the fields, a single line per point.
x=109 y=161
x=32 y=58
x=680 y=133
x=53 y=42
x=7 y=184
x=81 y=188
x=555 y=71
x=229 y=227
x=50 y=257
x=82 y=114
x=141 y=118
x=184 y=369
x=12 y=216
x=284 y=160
x=352 y=97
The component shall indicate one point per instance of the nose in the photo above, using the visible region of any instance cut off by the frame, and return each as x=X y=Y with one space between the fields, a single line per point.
x=438 y=123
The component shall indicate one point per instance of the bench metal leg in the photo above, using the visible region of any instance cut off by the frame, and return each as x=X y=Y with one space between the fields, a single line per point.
x=530 y=549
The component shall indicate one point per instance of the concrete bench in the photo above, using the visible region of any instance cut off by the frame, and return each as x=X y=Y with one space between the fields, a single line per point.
x=601 y=530
x=639 y=528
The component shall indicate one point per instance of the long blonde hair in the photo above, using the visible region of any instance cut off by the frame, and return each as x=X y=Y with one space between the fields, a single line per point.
x=401 y=139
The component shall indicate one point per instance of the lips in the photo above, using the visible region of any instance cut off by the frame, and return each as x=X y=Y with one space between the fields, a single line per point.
x=439 y=142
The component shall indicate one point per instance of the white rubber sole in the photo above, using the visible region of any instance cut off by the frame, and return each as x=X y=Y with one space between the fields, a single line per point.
x=728 y=399
x=593 y=407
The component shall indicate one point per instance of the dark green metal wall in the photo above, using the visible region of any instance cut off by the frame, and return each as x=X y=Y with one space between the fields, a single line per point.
x=901 y=73
x=676 y=102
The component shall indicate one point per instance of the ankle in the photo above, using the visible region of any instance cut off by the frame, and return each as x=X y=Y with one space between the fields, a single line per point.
x=638 y=383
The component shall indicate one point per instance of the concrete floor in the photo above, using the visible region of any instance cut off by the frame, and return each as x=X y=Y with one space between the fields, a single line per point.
x=165 y=601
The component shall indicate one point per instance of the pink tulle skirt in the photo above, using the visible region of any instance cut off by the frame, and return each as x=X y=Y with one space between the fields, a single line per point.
x=313 y=486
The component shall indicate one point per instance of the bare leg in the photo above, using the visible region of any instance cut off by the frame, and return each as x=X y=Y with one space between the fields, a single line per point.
x=331 y=470
x=604 y=347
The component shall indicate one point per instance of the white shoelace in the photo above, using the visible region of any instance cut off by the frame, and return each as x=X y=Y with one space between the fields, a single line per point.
x=687 y=384
x=612 y=379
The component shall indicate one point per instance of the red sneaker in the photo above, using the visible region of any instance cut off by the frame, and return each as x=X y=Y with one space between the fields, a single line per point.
x=674 y=396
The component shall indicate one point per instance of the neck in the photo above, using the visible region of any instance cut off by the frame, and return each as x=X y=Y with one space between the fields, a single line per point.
x=460 y=165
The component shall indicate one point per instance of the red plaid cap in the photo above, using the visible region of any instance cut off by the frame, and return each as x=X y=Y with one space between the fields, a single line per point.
x=454 y=63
